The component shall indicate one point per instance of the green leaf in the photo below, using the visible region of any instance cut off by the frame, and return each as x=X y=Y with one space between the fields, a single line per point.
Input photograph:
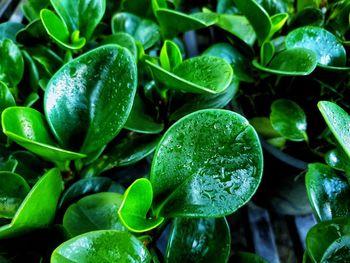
x=143 y=30
x=199 y=240
x=257 y=16
x=273 y=7
x=327 y=232
x=31 y=74
x=338 y=251
x=31 y=8
x=288 y=119
x=173 y=22
x=93 y=212
x=104 y=246
x=34 y=33
x=204 y=74
x=196 y=171
x=337 y=120
x=137 y=201
x=6 y=97
x=239 y=63
x=140 y=8
x=80 y=15
x=12 y=65
x=245 y=257
x=89 y=186
x=301 y=4
x=277 y=22
x=33 y=212
x=87 y=102
x=194 y=102
x=13 y=189
x=8 y=30
x=263 y=126
x=239 y=26
x=291 y=62
x=337 y=159
x=328 y=49
x=28 y=128
x=123 y=40
x=266 y=52
x=328 y=193
x=309 y=17
x=59 y=31
x=170 y=55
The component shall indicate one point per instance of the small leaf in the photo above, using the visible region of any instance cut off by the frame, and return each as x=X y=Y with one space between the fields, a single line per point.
x=12 y=64
x=143 y=30
x=328 y=193
x=87 y=102
x=263 y=126
x=266 y=53
x=338 y=122
x=196 y=171
x=28 y=128
x=289 y=119
x=93 y=212
x=337 y=159
x=204 y=74
x=170 y=55
x=104 y=246
x=277 y=22
x=199 y=240
x=291 y=62
x=13 y=189
x=33 y=212
x=136 y=203
x=328 y=49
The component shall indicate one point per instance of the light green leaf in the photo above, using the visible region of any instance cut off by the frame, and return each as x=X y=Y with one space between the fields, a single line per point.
x=170 y=55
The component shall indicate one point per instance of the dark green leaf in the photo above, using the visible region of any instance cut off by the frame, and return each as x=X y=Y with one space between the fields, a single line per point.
x=338 y=251
x=328 y=192
x=122 y=39
x=33 y=34
x=31 y=8
x=140 y=8
x=170 y=55
x=31 y=73
x=273 y=7
x=266 y=53
x=196 y=171
x=137 y=202
x=328 y=49
x=13 y=189
x=8 y=30
x=49 y=61
x=199 y=240
x=93 y=212
x=33 y=212
x=288 y=119
x=104 y=246
x=245 y=257
x=309 y=17
x=88 y=100
x=28 y=128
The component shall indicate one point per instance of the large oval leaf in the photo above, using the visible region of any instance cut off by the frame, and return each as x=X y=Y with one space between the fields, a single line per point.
x=38 y=208
x=28 y=128
x=209 y=163
x=338 y=121
x=329 y=50
x=204 y=74
x=94 y=212
x=88 y=100
x=103 y=246
x=328 y=193
x=199 y=240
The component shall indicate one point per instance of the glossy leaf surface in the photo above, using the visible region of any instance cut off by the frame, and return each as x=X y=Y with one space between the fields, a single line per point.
x=88 y=100
x=289 y=119
x=33 y=212
x=196 y=170
x=8 y=30
x=104 y=246
x=328 y=192
x=93 y=212
x=338 y=251
x=136 y=203
x=199 y=240
x=28 y=128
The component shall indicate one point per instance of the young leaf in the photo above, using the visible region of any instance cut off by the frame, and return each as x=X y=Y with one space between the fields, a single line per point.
x=328 y=193
x=291 y=62
x=199 y=240
x=136 y=203
x=266 y=52
x=143 y=30
x=328 y=49
x=87 y=102
x=13 y=189
x=28 y=128
x=204 y=74
x=289 y=119
x=33 y=212
x=257 y=16
x=277 y=22
x=196 y=171
x=104 y=246
x=170 y=55
x=12 y=65
x=338 y=121
x=337 y=159
x=93 y=212
x=81 y=15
